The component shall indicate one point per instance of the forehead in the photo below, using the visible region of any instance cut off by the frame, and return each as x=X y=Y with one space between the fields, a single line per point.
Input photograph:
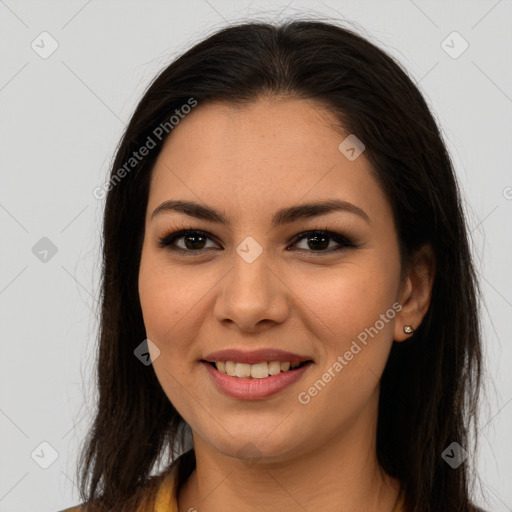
x=265 y=128
x=259 y=157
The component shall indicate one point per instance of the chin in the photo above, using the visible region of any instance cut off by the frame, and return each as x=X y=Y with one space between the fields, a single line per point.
x=252 y=448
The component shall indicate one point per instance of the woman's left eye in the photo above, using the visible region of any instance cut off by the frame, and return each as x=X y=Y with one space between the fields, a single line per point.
x=195 y=240
x=320 y=240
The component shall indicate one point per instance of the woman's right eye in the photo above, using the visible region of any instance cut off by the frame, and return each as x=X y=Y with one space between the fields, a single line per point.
x=194 y=241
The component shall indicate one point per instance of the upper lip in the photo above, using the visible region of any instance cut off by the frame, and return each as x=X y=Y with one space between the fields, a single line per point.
x=256 y=356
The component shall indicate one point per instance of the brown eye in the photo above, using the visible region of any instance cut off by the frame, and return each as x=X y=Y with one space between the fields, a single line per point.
x=319 y=241
x=193 y=241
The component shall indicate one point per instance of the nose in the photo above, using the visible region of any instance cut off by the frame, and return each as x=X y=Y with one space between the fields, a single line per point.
x=252 y=296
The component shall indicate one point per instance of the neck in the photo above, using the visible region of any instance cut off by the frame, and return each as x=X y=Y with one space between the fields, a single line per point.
x=341 y=473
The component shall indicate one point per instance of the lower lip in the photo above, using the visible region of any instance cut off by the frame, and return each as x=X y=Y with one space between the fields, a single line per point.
x=254 y=389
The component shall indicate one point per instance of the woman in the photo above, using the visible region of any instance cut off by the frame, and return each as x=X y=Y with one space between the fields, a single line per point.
x=284 y=241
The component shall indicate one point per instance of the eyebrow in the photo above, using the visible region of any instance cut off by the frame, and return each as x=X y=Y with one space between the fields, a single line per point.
x=281 y=217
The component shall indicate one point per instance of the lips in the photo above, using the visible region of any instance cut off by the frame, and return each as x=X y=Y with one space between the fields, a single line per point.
x=254 y=388
x=256 y=356
x=255 y=374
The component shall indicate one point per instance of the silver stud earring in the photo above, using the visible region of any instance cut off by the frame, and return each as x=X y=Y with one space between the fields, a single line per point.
x=408 y=329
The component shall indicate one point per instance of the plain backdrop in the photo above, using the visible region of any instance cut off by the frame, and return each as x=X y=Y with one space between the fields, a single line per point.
x=71 y=75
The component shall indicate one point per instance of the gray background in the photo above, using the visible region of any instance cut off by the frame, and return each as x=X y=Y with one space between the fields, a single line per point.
x=61 y=118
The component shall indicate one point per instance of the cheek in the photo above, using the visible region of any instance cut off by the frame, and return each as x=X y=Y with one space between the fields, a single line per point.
x=167 y=297
x=346 y=309
x=169 y=302
x=349 y=299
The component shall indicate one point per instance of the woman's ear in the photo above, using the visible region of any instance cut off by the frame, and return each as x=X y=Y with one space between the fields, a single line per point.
x=415 y=291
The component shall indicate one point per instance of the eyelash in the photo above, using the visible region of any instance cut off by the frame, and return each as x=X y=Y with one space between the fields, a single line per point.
x=167 y=241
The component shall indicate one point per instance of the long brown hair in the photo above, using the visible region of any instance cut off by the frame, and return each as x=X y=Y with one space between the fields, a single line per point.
x=430 y=386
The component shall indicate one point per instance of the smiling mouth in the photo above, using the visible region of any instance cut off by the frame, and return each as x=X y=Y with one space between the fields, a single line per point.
x=260 y=370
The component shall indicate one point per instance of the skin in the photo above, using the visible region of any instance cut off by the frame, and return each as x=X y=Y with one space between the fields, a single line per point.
x=248 y=162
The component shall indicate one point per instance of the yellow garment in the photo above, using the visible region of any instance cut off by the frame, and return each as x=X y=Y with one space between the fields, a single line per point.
x=400 y=504
x=163 y=498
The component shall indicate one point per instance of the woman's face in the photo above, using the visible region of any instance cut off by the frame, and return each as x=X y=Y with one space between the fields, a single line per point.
x=253 y=284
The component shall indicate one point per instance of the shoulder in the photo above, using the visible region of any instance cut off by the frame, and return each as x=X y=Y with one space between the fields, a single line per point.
x=166 y=490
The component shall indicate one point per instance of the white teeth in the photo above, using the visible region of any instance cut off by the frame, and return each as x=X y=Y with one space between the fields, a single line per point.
x=243 y=370
x=274 y=367
x=256 y=371
x=230 y=368
x=259 y=371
